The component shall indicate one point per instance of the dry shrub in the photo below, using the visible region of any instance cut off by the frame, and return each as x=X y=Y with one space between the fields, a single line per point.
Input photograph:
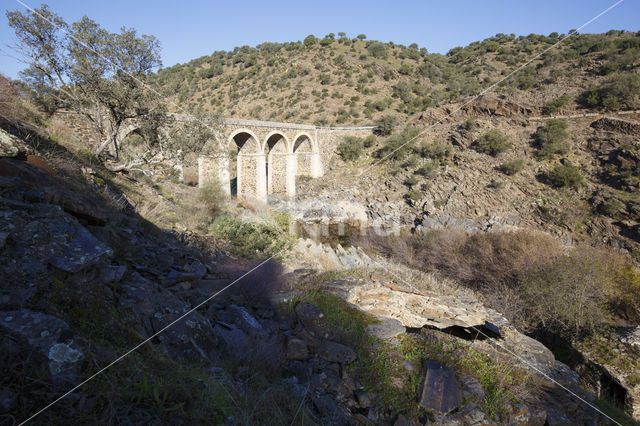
x=580 y=291
x=212 y=196
x=527 y=276
x=12 y=105
x=191 y=177
x=479 y=260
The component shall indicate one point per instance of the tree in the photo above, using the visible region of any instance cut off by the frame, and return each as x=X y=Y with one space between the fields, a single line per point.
x=310 y=40
x=361 y=36
x=351 y=148
x=342 y=34
x=385 y=125
x=200 y=135
x=90 y=70
x=377 y=50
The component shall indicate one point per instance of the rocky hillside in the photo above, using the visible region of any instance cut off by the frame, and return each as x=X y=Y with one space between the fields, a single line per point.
x=501 y=212
x=336 y=80
x=86 y=278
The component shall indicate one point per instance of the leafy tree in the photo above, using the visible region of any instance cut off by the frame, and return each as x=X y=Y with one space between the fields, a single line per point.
x=351 y=148
x=201 y=135
x=94 y=72
x=361 y=36
x=342 y=34
x=385 y=125
x=377 y=50
x=310 y=40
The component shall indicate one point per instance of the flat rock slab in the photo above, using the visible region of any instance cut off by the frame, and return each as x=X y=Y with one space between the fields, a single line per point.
x=83 y=249
x=418 y=310
x=441 y=390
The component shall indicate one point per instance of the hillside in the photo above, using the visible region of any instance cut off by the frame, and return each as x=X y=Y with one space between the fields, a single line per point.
x=342 y=81
x=508 y=291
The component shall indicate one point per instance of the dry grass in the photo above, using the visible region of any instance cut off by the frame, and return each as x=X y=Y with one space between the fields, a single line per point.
x=527 y=276
x=476 y=259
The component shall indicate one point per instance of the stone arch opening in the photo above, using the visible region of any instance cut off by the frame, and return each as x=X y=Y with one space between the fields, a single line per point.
x=303 y=149
x=280 y=173
x=250 y=167
x=131 y=145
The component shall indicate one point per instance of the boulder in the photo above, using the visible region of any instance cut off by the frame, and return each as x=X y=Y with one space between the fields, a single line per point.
x=336 y=352
x=153 y=308
x=386 y=328
x=11 y=146
x=313 y=321
x=235 y=342
x=441 y=390
x=617 y=125
x=82 y=250
x=56 y=190
x=51 y=338
x=296 y=349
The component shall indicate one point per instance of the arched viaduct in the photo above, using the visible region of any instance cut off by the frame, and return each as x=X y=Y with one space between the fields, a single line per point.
x=268 y=156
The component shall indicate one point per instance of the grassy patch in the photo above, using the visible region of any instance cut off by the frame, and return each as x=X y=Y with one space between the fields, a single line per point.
x=253 y=239
x=503 y=383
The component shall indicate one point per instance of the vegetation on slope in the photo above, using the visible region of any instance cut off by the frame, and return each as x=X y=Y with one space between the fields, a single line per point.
x=355 y=81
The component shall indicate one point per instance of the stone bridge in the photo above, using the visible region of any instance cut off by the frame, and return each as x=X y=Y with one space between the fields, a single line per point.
x=264 y=156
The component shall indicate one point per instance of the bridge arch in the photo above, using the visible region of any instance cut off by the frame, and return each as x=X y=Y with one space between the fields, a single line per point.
x=307 y=157
x=280 y=164
x=250 y=165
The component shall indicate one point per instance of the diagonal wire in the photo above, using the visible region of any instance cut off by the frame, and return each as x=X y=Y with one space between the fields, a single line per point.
x=265 y=261
x=492 y=86
x=516 y=355
x=156 y=334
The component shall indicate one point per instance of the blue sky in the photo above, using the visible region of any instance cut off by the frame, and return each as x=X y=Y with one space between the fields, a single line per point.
x=190 y=29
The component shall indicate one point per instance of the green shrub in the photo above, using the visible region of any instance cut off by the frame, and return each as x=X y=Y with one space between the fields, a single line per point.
x=411 y=181
x=252 y=239
x=433 y=150
x=552 y=138
x=428 y=169
x=512 y=167
x=351 y=148
x=565 y=175
x=413 y=195
x=493 y=142
x=398 y=146
x=212 y=196
x=385 y=125
x=470 y=124
x=619 y=90
x=612 y=207
x=369 y=141
x=556 y=104
x=378 y=50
